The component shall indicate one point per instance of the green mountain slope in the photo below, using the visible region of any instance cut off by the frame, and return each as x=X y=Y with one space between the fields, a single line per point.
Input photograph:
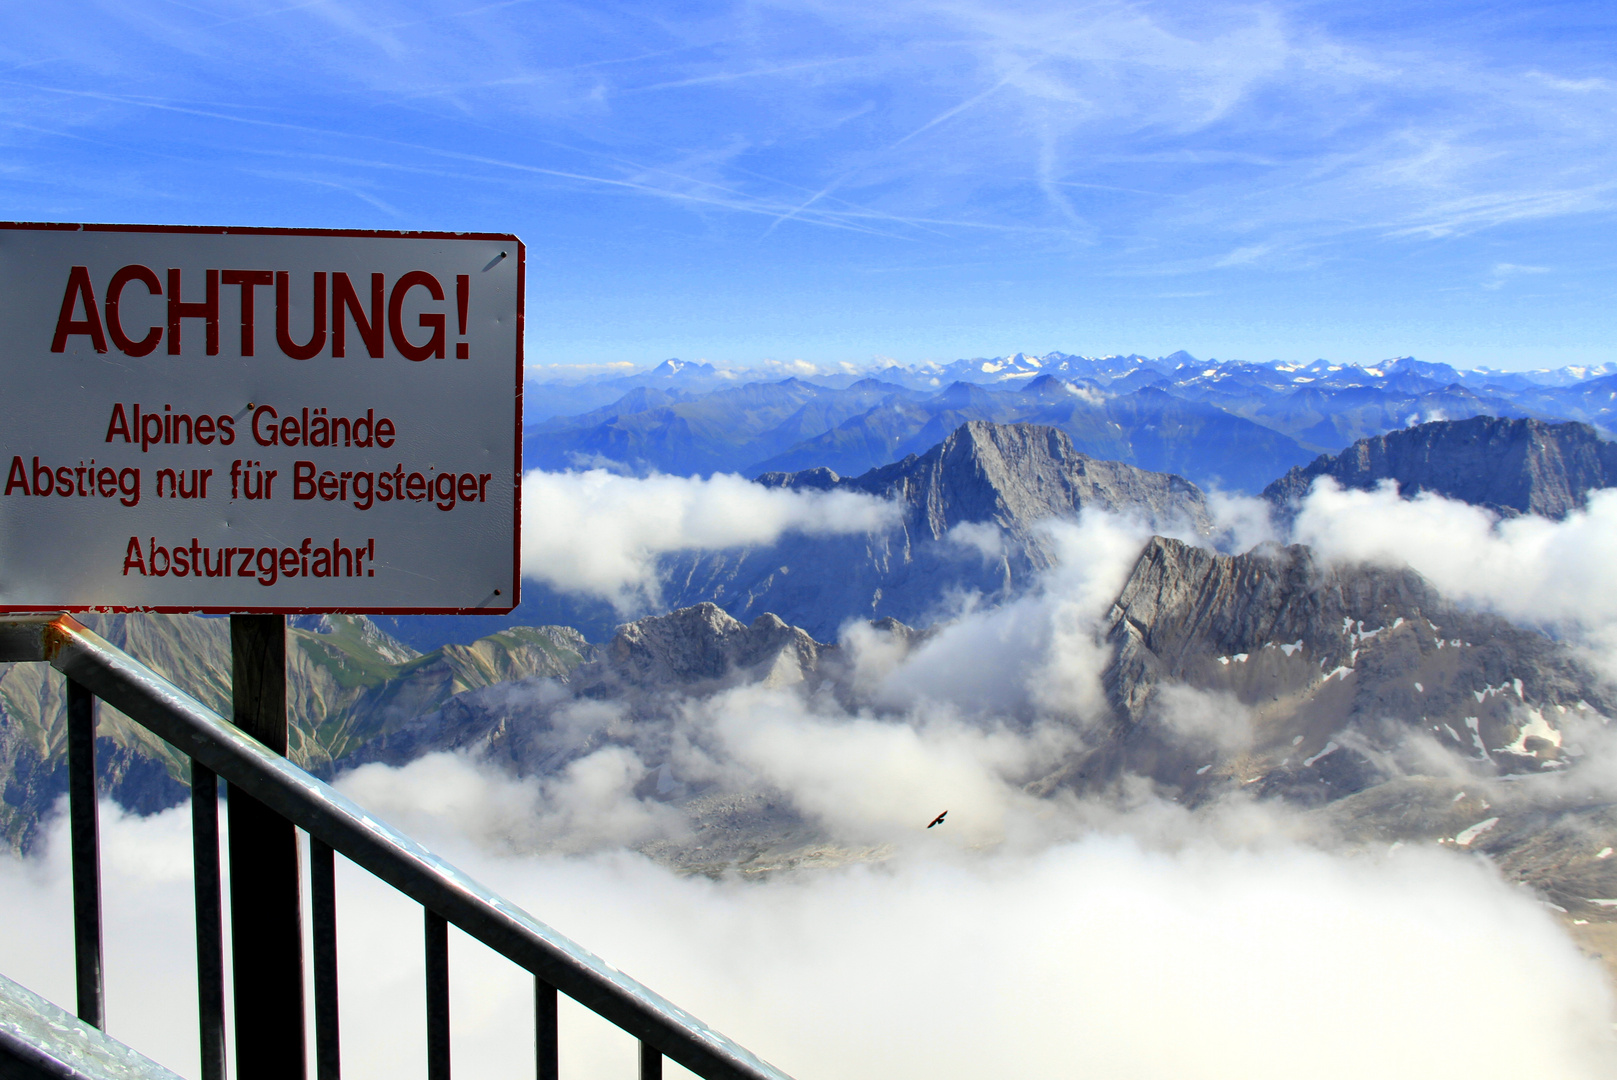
x=347 y=683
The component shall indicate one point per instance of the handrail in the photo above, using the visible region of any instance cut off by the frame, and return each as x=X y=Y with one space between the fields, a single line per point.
x=334 y=819
x=39 y=1041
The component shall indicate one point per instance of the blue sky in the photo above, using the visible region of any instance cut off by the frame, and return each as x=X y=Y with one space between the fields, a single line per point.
x=838 y=181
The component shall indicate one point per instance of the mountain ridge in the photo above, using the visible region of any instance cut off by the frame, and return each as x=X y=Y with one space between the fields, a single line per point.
x=973 y=508
x=1509 y=466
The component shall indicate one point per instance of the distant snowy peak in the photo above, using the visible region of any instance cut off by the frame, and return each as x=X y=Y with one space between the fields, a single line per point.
x=1564 y=376
x=1177 y=367
x=675 y=368
x=1324 y=405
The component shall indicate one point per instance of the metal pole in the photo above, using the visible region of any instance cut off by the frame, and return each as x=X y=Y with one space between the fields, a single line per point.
x=651 y=1062
x=546 y=1043
x=266 y=936
x=323 y=898
x=210 y=931
x=84 y=827
x=437 y=940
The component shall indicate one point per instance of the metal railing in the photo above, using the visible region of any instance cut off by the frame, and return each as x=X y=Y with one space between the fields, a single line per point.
x=96 y=669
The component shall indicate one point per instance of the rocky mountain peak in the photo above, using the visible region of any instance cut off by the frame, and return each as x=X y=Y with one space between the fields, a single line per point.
x=1510 y=466
x=1002 y=482
x=1014 y=475
x=701 y=644
x=357 y=629
x=1328 y=671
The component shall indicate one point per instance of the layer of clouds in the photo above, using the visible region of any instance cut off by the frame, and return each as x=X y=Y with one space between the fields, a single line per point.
x=1040 y=653
x=600 y=534
x=1558 y=574
x=588 y=805
x=989 y=702
x=1105 y=955
x=873 y=779
x=1026 y=936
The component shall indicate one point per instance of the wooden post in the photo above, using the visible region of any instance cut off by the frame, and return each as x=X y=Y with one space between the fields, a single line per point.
x=266 y=939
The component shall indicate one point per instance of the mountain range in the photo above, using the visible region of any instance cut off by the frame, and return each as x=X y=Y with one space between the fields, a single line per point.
x=1232 y=425
x=794 y=424
x=973 y=507
x=1510 y=467
x=1357 y=693
x=564 y=392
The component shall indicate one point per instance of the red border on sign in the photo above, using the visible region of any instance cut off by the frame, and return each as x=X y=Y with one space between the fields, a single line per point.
x=388 y=234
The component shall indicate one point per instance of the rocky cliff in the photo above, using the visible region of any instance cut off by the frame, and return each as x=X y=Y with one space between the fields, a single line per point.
x=973 y=506
x=1363 y=693
x=698 y=647
x=1326 y=676
x=1013 y=475
x=1509 y=466
x=648 y=668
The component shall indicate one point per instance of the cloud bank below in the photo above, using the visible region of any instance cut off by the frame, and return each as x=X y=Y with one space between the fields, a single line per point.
x=599 y=534
x=1104 y=955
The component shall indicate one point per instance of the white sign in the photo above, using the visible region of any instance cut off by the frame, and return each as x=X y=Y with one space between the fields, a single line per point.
x=259 y=420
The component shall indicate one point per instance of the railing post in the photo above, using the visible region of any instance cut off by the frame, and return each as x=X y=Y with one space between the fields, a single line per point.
x=437 y=941
x=266 y=927
x=323 y=898
x=209 y=928
x=85 y=841
x=264 y=899
x=546 y=1044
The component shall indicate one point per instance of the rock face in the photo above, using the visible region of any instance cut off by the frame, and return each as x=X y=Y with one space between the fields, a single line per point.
x=700 y=647
x=1013 y=475
x=1509 y=466
x=648 y=667
x=1323 y=676
x=635 y=698
x=973 y=507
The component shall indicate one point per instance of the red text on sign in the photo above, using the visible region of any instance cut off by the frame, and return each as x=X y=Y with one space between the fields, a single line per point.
x=267 y=564
x=443 y=489
x=166 y=428
x=333 y=310
x=68 y=481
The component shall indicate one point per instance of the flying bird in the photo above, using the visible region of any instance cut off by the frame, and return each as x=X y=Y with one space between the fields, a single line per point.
x=939 y=819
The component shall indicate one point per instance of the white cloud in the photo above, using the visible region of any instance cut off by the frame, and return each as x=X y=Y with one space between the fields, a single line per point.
x=1531 y=569
x=600 y=534
x=1240 y=521
x=872 y=779
x=1040 y=653
x=984 y=537
x=1105 y=955
x=1504 y=271
x=1213 y=718
x=588 y=805
x=1024 y=936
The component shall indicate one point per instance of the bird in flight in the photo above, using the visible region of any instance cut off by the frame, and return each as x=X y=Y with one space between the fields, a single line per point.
x=939 y=819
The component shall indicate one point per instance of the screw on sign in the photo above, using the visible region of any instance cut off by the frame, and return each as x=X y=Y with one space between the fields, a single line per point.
x=238 y=420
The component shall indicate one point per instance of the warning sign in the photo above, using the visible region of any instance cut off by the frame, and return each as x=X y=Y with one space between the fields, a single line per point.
x=259 y=420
